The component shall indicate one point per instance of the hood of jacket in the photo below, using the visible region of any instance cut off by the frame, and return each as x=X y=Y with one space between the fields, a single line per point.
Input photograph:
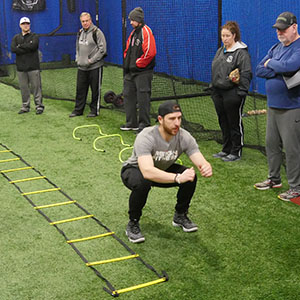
x=237 y=45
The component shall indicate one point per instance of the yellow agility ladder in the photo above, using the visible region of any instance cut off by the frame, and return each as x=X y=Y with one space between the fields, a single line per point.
x=18 y=164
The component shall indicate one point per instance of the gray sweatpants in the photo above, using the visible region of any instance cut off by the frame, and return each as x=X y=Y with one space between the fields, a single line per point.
x=30 y=82
x=283 y=132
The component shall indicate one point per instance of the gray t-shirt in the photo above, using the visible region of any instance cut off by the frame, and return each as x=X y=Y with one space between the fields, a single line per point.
x=164 y=154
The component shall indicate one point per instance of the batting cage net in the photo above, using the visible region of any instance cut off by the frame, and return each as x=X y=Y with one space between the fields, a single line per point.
x=187 y=38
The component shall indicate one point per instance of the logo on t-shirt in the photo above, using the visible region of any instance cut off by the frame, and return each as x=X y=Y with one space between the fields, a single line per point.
x=83 y=42
x=165 y=155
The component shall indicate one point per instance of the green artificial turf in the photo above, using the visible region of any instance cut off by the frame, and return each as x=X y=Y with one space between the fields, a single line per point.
x=247 y=246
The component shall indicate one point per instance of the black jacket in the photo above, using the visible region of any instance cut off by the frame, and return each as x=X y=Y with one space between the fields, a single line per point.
x=26 y=50
x=225 y=62
x=139 y=55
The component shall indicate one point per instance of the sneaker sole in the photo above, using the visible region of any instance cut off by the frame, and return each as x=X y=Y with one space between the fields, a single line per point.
x=276 y=186
x=284 y=199
x=184 y=228
x=128 y=129
x=219 y=156
x=288 y=200
x=140 y=240
x=230 y=160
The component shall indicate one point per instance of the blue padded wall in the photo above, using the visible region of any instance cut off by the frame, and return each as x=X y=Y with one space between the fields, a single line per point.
x=186 y=34
x=54 y=47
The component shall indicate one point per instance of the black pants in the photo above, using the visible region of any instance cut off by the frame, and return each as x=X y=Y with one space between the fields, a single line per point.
x=140 y=187
x=229 y=107
x=86 y=79
x=137 y=91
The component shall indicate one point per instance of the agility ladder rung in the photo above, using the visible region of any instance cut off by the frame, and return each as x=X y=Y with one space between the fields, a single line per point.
x=41 y=191
x=101 y=262
x=55 y=204
x=90 y=237
x=17 y=169
x=10 y=159
x=71 y=220
x=139 y=286
x=5 y=151
x=28 y=179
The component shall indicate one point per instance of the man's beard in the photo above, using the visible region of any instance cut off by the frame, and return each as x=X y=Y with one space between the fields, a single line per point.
x=282 y=39
x=170 y=131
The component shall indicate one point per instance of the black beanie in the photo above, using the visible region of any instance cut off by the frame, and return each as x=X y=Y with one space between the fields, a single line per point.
x=137 y=15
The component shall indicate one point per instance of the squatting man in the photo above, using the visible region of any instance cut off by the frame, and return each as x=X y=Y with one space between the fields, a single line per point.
x=152 y=163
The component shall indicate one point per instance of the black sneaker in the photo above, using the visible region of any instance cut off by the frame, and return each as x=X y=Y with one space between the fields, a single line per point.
x=231 y=157
x=220 y=154
x=133 y=232
x=127 y=128
x=182 y=220
x=39 y=111
x=72 y=115
x=23 y=111
x=267 y=184
x=91 y=115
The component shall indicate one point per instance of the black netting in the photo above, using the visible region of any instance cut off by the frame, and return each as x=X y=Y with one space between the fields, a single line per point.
x=187 y=37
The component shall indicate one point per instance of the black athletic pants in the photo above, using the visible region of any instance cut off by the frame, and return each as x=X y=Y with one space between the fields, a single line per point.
x=229 y=108
x=137 y=94
x=86 y=79
x=140 y=187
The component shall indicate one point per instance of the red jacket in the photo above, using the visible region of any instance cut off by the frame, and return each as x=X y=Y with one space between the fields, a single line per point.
x=140 y=51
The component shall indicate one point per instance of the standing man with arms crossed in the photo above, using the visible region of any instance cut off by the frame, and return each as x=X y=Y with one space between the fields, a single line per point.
x=90 y=52
x=26 y=47
x=139 y=61
x=283 y=124
x=152 y=163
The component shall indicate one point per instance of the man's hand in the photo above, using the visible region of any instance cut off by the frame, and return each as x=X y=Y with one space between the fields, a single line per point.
x=206 y=170
x=187 y=175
